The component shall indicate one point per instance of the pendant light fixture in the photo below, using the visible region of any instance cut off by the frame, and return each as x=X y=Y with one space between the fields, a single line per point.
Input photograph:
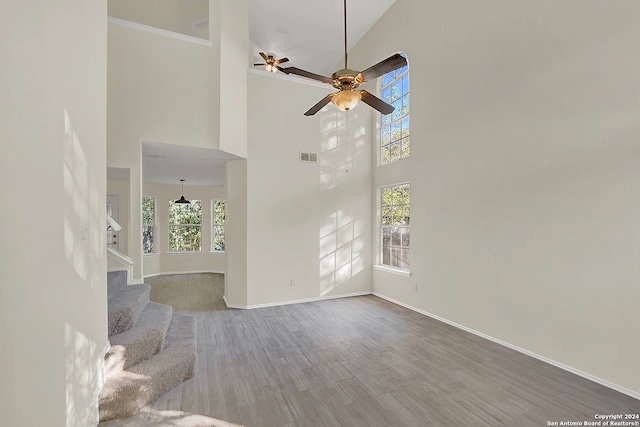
x=182 y=200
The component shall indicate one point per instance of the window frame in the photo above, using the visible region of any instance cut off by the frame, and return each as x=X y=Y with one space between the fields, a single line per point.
x=215 y=225
x=404 y=140
x=170 y=226
x=152 y=225
x=406 y=226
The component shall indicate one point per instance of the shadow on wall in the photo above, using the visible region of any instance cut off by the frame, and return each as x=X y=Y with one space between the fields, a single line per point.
x=84 y=244
x=84 y=249
x=342 y=161
x=82 y=375
x=342 y=144
x=341 y=246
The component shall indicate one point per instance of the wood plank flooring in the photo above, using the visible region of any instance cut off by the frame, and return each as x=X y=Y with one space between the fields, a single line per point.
x=359 y=361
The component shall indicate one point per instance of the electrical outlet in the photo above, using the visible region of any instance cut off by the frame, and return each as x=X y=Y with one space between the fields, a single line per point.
x=293 y=282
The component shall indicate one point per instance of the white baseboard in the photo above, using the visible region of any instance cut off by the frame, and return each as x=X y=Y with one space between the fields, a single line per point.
x=299 y=301
x=169 y=273
x=562 y=366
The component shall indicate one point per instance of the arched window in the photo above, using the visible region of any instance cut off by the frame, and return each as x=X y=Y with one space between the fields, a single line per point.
x=394 y=131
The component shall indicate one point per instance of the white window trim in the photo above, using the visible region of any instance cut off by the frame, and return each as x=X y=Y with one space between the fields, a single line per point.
x=169 y=251
x=379 y=265
x=392 y=270
x=378 y=121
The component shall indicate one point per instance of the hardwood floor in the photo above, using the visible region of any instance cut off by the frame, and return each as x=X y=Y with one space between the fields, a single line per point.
x=359 y=361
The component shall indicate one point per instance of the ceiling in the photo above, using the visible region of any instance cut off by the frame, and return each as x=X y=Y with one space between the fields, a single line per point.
x=167 y=164
x=309 y=32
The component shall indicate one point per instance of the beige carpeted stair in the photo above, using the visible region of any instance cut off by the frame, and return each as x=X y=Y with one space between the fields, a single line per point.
x=152 y=349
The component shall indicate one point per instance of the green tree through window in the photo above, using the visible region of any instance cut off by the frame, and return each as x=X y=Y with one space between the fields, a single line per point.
x=185 y=221
x=395 y=227
x=219 y=220
x=148 y=224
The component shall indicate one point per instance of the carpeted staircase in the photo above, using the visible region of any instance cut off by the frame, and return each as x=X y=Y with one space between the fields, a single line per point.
x=152 y=349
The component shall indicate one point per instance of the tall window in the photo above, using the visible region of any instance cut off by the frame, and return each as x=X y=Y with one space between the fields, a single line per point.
x=394 y=131
x=217 y=233
x=148 y=223
x=396 y=215
x=185 y=233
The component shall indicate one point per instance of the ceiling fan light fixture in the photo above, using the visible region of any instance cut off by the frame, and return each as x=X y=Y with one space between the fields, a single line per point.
x=345 y=100
x=271 y=68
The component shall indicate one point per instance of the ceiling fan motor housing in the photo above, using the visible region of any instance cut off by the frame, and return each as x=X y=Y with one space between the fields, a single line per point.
x=346 y=79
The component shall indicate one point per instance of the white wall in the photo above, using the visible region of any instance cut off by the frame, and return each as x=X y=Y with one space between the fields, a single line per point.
x=235 y=279
x=233 y=23
x=524 y=127
x=165 y=262
x=53 y=320
x=172 y=15
x=307 y=222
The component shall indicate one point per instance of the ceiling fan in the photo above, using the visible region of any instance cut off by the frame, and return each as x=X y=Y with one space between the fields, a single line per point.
x=271 y=64
x=347 y=80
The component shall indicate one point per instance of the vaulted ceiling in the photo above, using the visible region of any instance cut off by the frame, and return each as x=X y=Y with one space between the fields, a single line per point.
x=309 y=32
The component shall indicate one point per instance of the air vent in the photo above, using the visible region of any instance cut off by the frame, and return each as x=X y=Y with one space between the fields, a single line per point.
x=308 y=157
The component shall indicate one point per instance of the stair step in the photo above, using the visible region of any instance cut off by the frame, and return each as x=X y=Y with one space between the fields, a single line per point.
x=116 y=281
x=126 y=307
x=140 y=342
x=128 y=391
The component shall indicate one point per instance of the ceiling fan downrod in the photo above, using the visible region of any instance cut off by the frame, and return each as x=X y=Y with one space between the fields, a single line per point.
x=345 y=35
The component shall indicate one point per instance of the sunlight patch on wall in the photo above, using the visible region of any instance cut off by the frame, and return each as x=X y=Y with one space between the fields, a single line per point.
x=82 y=375
x=342 y=141
x=83 y=239
x=76 y=207
x=341 y=246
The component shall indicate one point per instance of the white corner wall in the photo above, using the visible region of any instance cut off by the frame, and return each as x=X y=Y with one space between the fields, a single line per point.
x=308 y=224
x=233 y=24
x=165 y=262
x=235 y=279
x=524 y=178
x=161 y=89
x=53 y=298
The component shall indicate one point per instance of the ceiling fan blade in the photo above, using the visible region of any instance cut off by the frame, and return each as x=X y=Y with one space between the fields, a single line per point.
x=383 y=67
x=376 y=102
x=263 y=55
x=279 y=68
x=324 y=101
x=280 y=61
x=307 y=74
x=258 y=64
